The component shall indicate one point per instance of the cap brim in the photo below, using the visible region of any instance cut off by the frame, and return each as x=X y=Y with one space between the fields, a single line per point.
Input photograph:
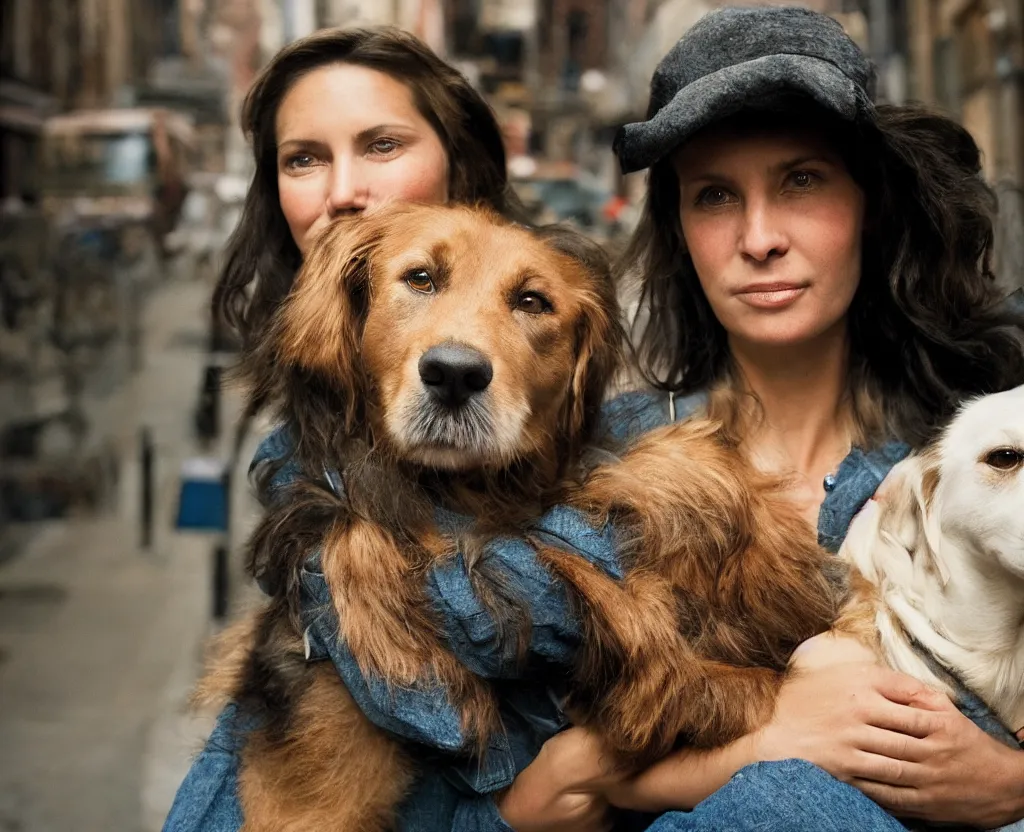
x=732 y=89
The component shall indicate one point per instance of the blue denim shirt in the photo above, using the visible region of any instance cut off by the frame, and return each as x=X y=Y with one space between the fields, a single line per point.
x=454 y=794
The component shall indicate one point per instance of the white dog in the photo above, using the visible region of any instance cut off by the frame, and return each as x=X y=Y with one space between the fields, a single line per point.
x=941 y=552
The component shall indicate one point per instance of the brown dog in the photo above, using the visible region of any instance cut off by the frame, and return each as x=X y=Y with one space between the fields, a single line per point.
x=443 y=356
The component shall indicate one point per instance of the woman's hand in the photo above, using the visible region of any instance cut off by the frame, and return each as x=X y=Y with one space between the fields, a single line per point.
x=902 y=743
x=812 y=721
x=956 y=772
x=563 y=788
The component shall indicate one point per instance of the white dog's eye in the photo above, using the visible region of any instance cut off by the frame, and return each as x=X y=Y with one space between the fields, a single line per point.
x=1005 y=459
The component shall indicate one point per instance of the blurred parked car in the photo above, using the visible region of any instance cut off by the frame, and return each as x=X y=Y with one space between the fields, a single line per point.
x=563 y=193
x=117 y=169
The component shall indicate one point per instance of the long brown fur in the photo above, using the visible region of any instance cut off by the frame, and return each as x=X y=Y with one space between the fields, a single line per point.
x=333 y=382
x=722 y=579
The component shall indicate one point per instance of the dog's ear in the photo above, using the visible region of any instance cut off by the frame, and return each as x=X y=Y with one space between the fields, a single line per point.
x=599 y=335
x=321 y=320
x=926 y=496
x=901 y=525
x=598 y=355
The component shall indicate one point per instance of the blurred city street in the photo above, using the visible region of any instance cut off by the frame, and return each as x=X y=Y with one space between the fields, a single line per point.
x=122 y=174
x=100 y=639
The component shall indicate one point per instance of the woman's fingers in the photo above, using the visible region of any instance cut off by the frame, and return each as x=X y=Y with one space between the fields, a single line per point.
x=901 y=719
x=905 y=690
x=879 y=768
x=893 y=745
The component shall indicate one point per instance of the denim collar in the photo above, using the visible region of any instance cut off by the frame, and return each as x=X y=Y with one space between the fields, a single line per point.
x=855 y=481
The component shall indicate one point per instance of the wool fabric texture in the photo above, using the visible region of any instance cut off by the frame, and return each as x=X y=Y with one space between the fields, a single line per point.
x=735 y=59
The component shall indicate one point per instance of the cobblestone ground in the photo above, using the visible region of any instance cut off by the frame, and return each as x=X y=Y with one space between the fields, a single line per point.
x=100 y=641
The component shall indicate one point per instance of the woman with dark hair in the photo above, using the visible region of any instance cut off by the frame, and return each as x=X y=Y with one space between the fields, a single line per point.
x=338 y=122
x=815 y=273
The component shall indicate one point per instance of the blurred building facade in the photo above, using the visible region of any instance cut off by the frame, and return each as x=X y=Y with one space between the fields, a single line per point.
x=562 y=74
x=61 y=55
x=967 y=58
x=571 y=71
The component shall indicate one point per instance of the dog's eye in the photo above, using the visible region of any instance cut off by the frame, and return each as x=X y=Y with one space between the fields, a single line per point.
x=533 y=303
x=420 y=281
x=1005 y=459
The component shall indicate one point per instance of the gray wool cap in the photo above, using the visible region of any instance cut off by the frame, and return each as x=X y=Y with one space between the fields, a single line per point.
x=739 y=58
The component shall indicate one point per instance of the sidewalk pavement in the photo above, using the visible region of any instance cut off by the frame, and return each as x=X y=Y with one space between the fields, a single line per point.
x=101 y=641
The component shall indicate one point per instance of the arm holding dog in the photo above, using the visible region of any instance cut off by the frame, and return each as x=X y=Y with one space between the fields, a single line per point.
x=975 y=780
x=924 y=550
x=701 y=519
x=827 y=714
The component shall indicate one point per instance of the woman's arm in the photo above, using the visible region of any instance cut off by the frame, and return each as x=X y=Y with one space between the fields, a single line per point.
x=684 y=778
x=903 y=744
x=564 y=789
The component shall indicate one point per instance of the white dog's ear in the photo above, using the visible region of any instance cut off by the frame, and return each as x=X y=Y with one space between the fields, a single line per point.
x=920 y=501
x=909 y=512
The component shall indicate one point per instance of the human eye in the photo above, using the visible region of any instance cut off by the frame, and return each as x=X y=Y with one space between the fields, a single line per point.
x=299 y=161
x=384 y=146
x=802 y=180
x=713 y=196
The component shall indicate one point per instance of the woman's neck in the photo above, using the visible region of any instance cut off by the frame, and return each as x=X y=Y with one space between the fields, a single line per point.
x=800 y=418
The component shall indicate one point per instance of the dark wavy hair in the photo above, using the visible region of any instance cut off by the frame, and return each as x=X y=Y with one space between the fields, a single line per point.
x=261 y=248
x=927 y=325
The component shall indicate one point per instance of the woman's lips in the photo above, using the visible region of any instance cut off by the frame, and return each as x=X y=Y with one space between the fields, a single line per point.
x=770 y=295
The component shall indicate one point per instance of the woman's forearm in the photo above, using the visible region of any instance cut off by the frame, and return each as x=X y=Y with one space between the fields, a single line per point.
x=683 y=779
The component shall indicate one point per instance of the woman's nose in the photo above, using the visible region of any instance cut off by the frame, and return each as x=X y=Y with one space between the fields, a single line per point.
x=763 y=234
x=346 y=192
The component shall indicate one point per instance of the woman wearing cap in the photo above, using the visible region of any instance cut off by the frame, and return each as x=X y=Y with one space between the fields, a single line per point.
x=815 y=273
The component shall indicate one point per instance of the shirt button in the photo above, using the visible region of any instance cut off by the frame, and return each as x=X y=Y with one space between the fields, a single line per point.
x=830 y=482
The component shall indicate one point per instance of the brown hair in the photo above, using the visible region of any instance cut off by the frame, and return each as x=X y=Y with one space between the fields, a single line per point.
x=262 y=245
x=927 y=328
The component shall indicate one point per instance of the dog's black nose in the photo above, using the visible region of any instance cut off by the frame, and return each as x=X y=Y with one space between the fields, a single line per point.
x=454 y=372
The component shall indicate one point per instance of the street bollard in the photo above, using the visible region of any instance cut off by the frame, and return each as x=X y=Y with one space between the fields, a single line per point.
x=221 y=576
x=146 y=486
x=220 y=582
x=207 y=413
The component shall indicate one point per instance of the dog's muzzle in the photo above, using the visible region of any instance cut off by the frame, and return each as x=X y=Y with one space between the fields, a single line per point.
x=452 y=414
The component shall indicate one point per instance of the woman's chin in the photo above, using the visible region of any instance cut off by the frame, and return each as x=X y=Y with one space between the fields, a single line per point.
x=781 y=334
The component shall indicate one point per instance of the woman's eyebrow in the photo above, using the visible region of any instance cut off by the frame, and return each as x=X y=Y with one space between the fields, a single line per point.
x=802 y=159
x=361 y=137
x=706 y=176
x=295 y=144
x=371 y=133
